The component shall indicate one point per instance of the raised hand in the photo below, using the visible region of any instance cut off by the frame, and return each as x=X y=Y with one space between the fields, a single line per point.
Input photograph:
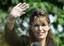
x=19 y=9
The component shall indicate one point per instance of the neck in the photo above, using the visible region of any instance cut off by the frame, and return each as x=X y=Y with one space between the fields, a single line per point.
x=41 y=42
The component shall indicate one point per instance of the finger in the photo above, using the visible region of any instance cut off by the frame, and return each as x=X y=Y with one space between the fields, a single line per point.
x=23 y=13
x=19 y=14
x=22 y=5
x=27 y=5
x=18 y=4
x=25 y=8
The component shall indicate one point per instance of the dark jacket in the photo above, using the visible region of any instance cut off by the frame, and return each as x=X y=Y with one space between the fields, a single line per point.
x=11 y=36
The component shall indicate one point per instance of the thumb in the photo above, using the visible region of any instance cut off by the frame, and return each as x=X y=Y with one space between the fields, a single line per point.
x=22 y=13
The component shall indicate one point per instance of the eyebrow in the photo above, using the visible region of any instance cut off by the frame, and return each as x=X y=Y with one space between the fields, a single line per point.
x=40 y=24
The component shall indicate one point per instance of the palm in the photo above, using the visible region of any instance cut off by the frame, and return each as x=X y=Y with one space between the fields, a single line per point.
x=19 y=9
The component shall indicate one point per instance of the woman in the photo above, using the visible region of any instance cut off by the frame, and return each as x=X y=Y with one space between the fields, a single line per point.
x=39 y=29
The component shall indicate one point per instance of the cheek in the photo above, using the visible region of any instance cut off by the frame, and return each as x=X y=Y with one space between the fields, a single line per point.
x=34 y=29
x=47 y=28
x=43 y=35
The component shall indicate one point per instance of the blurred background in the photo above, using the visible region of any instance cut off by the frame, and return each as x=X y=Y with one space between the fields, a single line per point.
x=55 y=8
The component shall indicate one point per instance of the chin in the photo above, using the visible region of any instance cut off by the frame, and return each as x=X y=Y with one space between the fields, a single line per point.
x=41 y=37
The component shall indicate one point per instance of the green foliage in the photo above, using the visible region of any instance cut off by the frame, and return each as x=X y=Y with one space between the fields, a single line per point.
x=2 y=16
x=60 y=16
x=15 y=1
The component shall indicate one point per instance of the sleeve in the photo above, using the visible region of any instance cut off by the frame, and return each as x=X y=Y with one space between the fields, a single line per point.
x=10 y=34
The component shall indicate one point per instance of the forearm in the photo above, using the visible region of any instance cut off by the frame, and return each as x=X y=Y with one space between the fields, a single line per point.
x=9 y=27
x=10 y=23
x=10 y=34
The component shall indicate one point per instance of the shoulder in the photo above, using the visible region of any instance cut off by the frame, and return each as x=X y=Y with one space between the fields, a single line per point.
x=52 y=44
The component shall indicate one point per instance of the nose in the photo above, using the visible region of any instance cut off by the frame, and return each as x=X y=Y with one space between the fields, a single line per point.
x=40 y=28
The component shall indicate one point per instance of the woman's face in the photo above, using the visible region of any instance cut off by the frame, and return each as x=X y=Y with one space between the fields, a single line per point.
x=40 y=27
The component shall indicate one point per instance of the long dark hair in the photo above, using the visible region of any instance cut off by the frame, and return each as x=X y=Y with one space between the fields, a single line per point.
x=38 y=13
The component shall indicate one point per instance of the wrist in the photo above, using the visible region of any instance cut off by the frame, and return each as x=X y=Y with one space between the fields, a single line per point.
x=11 y=18
x=13 y=15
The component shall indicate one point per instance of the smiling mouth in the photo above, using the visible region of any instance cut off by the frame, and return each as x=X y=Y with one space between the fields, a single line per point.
x=40 y=33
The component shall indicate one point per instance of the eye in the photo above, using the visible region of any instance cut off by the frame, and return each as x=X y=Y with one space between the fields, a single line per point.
x=43 y=25
x=36 y=25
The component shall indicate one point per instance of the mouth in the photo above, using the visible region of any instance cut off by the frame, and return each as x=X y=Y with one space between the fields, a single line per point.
x=40 y=33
